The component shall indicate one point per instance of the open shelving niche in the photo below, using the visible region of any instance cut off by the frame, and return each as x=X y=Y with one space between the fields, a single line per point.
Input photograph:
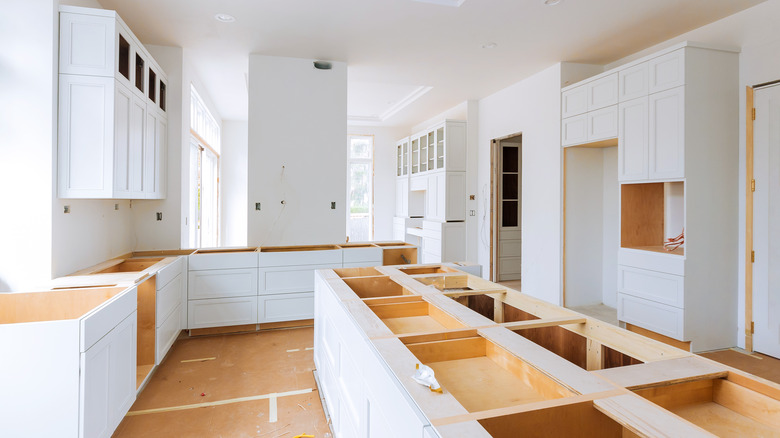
x=650 y=213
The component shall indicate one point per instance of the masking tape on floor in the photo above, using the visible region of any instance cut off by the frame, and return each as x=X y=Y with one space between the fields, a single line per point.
x=203 y=359
x=272 y=411
x=273 y=395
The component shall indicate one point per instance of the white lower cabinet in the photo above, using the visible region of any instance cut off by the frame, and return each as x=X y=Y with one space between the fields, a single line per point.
x=288 y=279
x=222 y=283
x=660 y=318
x=108 y=380
x=285 y=307
x=167 y=332
x=222 y=312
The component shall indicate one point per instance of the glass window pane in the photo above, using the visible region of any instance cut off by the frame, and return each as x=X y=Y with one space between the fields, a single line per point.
x=509 y=214
x=360 y=147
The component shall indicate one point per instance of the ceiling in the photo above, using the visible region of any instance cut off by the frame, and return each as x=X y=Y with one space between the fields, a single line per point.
x=409 y=60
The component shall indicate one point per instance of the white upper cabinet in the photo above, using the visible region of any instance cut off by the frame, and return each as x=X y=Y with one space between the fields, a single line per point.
x=602 y=92
x=603 y=123
x=667 y=134
x=574 y=102
x=574 y=130
x=633 y=82
x=632 y=140
x=666 y=71
x=112 y=116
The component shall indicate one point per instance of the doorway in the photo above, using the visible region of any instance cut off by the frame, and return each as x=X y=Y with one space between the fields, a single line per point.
x=766 y=216
x=506 y=177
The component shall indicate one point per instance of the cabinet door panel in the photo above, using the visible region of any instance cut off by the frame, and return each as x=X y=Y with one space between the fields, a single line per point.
x=161 y=149
x=220 y=283
x=603 y=124
x=123 y=370
x=136 y=152
x=150 y=155
x=602 y=92
x=574 y=101
x=286 y=307
x=667 y=134
x=222 y=312
x=632 y=140
x=660 y=318
x=431 y=198
x=633 y=82
x=574 y=130
x=123 y=106
x=667 y=71
x=455 y=208
x=86 y=45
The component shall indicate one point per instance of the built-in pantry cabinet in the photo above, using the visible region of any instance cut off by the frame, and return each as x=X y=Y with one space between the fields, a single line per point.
x=677 y=140
x=112 y=110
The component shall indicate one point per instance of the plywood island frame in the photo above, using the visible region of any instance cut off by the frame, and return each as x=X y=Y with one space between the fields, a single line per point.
x=510 y=365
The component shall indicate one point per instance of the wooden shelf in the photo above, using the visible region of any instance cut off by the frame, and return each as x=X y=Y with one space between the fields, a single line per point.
x=658 y=248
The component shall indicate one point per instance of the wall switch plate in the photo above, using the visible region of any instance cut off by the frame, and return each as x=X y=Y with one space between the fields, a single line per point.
x=116 y=206
x=472 y=213
x=159 y=215
x=332 y=205
x=257 y=206
x=67 y=209
x=472 y=197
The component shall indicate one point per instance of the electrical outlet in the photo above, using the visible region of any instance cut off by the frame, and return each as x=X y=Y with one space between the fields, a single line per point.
x=257 y=206
x=159 y=215
x=67 y=209
x=116 y=206
x=332 y=205
x=472 y=212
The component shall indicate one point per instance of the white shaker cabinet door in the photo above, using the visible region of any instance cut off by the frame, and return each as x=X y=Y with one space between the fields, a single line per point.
x=632 y=140
x=633 y=82
x=574 y=101
x=666 y=71
x=667 y=134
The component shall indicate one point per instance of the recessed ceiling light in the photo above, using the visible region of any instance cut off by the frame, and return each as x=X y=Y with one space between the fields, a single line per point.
x=551 y=2
x=225 y=18
x=489 y=46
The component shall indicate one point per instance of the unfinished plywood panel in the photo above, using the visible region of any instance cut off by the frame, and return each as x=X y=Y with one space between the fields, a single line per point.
x=578 y=419
x=613 y=358
x=374 y=287
x=414 y=317
x=356 y=272
x=720 y=406
x=682 y=345
x=399 y=256
x=131 y=265
x=147 y=309
x=419 y=270
x=641 y=215
x=298 y=248
x=564 y=343
x=53 y=305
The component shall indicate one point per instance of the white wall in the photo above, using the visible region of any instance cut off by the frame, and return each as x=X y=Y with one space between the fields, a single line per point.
x=297 y=119
x=28 y=130
x=385 y=139
x=234 y=183
x=610 y=227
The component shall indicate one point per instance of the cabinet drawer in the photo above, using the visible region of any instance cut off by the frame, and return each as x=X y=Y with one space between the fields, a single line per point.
x=169 y=272
x=167 y=332
x=357 y=255
x=285 y=307
x=603 y=124
x=289 y=278
x=654 y=286
x=298 y=258
x=432 y=246
x=633 y=82
x=222 y=283
x=221 y=312
x=653 y=261
x=168 y=298
x=430 y=258
x=102 y=320
x=660 y=318
x=228 y=260
x=602 y=92
x=667 y=71
x=574 y=101
x=574 y=130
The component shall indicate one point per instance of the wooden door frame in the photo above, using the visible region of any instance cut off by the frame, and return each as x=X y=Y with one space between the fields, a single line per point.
x=749 y=188
x=495 y=145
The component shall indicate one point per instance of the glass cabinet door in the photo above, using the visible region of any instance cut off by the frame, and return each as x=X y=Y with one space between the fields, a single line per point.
x=405 y=158
x=423 y=153
x=440 y=148
x=431 y=151
x=415 y=156
x=398 y=156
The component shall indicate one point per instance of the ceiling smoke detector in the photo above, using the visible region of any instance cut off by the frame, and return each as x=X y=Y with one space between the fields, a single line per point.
x=225 y=18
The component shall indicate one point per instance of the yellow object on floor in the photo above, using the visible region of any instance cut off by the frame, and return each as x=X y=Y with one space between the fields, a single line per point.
x=304 y=436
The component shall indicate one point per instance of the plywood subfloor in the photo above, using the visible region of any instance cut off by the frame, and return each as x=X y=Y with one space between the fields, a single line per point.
x=724 y=422
x=479 y=384
x=227 y=367
x=413 y=324
x=758 y=364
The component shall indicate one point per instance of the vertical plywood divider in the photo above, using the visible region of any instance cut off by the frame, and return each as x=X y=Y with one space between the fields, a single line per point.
x=642 y=214
x=147 y=307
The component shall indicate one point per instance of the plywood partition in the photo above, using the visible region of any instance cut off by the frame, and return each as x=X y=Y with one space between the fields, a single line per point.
x=131 y=265
x=577 y=419
x=356 y=272
x=145 y=339
x=641 y=215
x=374 y=287
x=399 y=256
x=52 y=305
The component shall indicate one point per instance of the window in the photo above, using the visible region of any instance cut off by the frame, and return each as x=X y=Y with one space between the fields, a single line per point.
x=360 y=187
x=204 y=175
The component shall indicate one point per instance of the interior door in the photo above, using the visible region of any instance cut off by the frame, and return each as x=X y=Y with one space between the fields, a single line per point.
x=766 y=217
x=509 y=243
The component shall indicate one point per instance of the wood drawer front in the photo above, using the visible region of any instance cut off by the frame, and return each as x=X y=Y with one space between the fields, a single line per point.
x=169 y=272
x=102 y=320
x=660 y=318
x=285 y=307
x=297 y=258
x=357 y=255
x=222 y=283
x=168 y=299
x=289 y=278
x=667 y=71
x=603 y=92
x=654 y=286
x=229 y=260
x=574 y=101
x=653 y=261
x=633 y=82
x=574 y=130
x=222 y=312
x=603 y=124
x=167 y=332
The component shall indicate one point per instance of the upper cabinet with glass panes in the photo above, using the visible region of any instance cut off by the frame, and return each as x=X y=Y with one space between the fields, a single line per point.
x=402 y=158
x=442 y=147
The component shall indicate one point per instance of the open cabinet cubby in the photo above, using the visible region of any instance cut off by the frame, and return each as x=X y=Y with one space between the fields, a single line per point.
x=650 y=213
x=575 y=419
x=413 y=315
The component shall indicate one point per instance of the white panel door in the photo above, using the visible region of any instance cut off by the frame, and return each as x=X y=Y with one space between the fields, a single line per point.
x=86 y=45
x=667 y=134
x=632 y=140
x=766 y=217
x=667 y=71
x=633 y=82
x=602 y=92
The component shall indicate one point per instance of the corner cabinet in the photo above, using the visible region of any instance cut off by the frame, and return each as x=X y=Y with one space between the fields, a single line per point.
x=113 y=127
